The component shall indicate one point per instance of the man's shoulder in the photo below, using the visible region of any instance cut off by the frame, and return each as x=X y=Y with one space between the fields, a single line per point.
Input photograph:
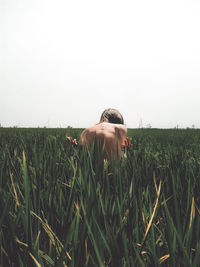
x=104 y=128
x=87 y=135
x=89 y=130
x=121 y=127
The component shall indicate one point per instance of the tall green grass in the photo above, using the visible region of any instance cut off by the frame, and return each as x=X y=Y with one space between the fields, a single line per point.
x=59 y=208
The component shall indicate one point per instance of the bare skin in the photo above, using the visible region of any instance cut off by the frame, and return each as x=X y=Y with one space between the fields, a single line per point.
x=110 y=136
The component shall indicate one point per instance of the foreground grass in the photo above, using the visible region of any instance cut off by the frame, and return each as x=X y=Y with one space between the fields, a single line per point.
x=59 y=209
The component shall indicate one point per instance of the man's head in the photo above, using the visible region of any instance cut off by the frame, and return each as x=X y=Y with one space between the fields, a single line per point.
x=112 y=115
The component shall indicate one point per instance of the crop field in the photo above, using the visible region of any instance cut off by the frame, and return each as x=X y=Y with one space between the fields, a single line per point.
x=58 y=207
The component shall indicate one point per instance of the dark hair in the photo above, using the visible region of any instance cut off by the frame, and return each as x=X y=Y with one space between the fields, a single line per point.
x=113 y=116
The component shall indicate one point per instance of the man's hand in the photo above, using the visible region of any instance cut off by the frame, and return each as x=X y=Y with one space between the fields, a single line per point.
x=72 y=141
x=127 y=142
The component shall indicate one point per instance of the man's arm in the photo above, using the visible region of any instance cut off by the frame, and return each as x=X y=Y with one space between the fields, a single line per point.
x=83 y=137
x=87 y=136
x=122 y=131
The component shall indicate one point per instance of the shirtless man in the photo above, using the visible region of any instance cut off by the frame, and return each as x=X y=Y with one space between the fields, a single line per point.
x=110 y=134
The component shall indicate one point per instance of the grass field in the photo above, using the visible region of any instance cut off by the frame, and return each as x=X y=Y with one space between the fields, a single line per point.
x=57 y=208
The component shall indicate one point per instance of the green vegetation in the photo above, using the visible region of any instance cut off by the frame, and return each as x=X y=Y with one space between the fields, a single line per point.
x=58 y=209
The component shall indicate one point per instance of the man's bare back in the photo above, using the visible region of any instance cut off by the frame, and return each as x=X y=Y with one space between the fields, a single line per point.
x=110 y=136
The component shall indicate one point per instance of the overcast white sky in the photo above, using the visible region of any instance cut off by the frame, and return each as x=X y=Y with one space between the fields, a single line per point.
x=63 y=62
